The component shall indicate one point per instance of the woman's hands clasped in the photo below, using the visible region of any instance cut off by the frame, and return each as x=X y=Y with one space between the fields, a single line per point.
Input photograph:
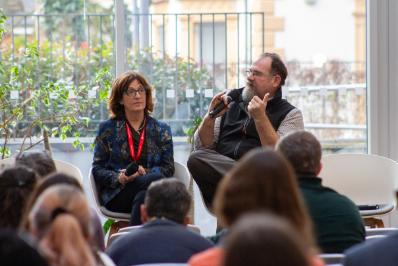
x=124 y=179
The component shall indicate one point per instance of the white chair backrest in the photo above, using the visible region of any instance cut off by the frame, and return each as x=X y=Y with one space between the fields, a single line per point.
x=129 y=228
x=366 y=179
x=115 y=236
x=191 y=227
x=181 y=173
x=374 y=238
x=332 y=259
x=62 y=166
x=380 y=231
x=6 y=162
x=68 y=168
x=93 y=187
x=162 y=264
x=104 y=211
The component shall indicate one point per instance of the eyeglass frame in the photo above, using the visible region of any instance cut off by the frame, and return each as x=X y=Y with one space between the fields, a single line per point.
x=255 y=73
x=130 y=92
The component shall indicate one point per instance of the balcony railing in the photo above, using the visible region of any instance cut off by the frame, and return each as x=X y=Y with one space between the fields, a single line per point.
x=187 y=57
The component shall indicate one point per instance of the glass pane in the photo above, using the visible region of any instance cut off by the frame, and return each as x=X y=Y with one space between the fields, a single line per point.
x=324 y=47
x=52 y=53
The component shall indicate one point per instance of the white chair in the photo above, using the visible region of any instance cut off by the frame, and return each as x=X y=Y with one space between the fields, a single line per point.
x=6 y=162
x=368 y=180
x=374 y=238
x=332 y=259
x=181 y=173
x=102 y=209
x=68 y=168
x=115 y=236
x=162 y=264
x=61 y=166
x=191 y=227
x=380 y=231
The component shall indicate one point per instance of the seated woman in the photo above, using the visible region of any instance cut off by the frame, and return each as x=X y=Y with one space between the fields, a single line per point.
x=130 y=136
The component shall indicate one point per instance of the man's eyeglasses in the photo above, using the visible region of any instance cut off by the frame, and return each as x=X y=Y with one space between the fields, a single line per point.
x=131 y=92
x=256 y=73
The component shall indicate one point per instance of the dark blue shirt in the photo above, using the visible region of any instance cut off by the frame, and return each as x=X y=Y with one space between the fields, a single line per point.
x=158 y=241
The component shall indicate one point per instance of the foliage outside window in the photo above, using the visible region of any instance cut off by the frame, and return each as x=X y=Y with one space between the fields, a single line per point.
x=47 y=94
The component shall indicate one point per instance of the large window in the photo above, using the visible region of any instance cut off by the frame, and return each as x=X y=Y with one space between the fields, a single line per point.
x=324 y=46
x=191 y=54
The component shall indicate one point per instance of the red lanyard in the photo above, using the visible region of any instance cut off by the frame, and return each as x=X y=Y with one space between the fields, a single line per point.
x=131 y=142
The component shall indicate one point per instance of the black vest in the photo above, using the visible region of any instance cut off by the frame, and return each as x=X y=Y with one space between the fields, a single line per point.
x=238 y=132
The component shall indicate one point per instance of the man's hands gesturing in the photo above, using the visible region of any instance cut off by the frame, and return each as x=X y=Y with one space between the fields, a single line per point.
x=257 y=107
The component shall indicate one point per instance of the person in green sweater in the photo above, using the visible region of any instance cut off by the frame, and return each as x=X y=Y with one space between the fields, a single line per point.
x=338 y=224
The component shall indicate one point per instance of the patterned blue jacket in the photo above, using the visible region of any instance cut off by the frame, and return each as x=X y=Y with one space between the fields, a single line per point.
x=111 y=153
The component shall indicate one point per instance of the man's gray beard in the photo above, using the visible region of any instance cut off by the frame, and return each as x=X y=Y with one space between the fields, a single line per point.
x=247 y=94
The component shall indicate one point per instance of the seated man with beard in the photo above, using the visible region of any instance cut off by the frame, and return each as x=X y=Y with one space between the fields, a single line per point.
x=258 y=117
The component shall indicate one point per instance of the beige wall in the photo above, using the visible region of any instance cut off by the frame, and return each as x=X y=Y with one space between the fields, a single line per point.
x=360 y=33
x=272 y=24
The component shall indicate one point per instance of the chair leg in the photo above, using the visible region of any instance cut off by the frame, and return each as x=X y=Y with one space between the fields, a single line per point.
x=191 y=212
x=373 y=222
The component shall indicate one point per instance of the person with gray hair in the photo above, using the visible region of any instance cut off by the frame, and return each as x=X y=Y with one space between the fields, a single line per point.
x=338 y=224
x=164 y=237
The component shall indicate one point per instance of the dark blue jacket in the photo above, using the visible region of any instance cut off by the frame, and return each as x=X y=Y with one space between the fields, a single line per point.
x=380 y=252
x=158 y=241
x=111 y=153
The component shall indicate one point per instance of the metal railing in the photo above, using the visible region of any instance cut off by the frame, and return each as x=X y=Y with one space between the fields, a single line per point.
x=188 y=57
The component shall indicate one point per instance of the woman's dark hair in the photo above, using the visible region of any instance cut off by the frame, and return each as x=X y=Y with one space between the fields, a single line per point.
x=39 y=161
x=262 y=181
x=263 y=239
x=16 y=185
x=120 y=86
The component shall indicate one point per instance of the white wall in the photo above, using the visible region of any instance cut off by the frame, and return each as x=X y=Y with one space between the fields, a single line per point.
x=324 y=30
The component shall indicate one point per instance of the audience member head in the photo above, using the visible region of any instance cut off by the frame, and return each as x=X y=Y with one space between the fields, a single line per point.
x=16 y=251
x=59 y=220
x=167 y=198
x=39 y=161
x=264 y=239
x=43 y=184
x=16 y=185
x=303 y=151
x=120 y=86
x=262 y=181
